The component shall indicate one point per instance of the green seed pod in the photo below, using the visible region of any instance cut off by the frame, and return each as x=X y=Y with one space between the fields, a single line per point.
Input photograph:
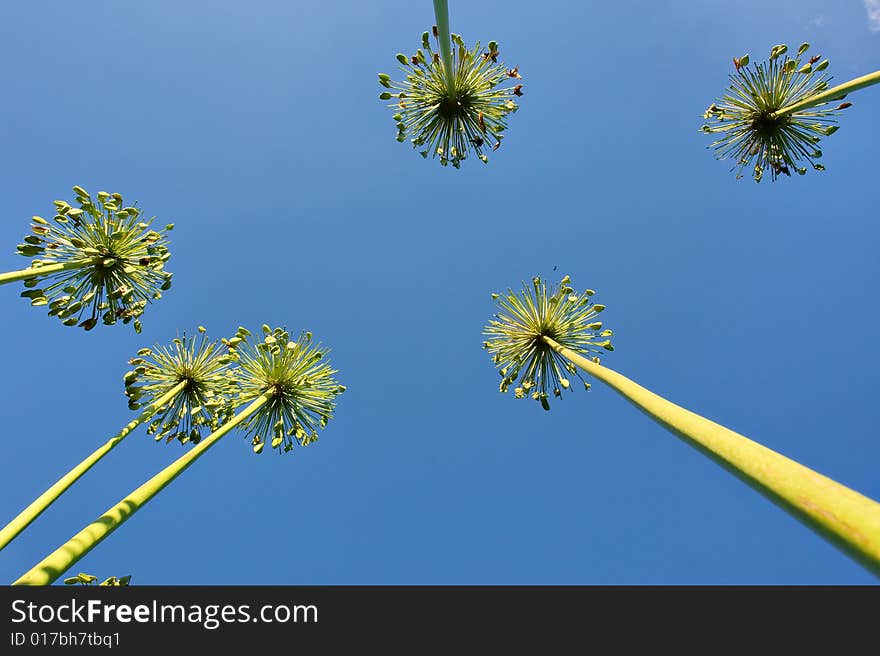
x=778 y=51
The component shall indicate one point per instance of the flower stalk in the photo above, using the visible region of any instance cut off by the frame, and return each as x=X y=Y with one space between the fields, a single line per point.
x=55 y=564
x=540 y=338
x=441 y=14
x=186 y=385
x=48 y=269
x=36 y=508
x=835 y=93
x=846 y=518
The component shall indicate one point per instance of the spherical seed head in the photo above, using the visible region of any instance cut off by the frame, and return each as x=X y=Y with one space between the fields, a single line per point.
x=744 y=120
x=124 y=261
x=300 y=383
x=452 y=123
x=515 y=337
x=204 y=404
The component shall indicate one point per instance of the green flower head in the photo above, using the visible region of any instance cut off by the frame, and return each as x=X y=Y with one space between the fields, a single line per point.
x=204 y=403
x=451 y=123
x=516 y=337
x=299 y=381
x=113 y=262
x=752 y=124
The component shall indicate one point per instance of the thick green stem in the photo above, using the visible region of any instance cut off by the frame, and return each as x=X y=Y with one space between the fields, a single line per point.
x=441 y=13
x=848 y=519
x=45 y=270
x=830 y=94
x=69 y=553
x=35 y=509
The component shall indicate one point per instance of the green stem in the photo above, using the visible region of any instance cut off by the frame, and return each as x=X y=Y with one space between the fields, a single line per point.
x=45 y=270
x=35 y=509
x=848 y=519
x=441 y=13
x=831 y=94
x=69 y=553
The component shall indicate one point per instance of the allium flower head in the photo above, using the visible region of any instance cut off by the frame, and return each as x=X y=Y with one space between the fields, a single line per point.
x=451 y=123
x=300 y=383
x=113 y=263
x=516 y=337
x=205 y=403
x=751 y=128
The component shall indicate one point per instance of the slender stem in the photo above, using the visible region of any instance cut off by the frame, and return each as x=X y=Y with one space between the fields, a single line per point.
x=69 y=553
x=830 y=94
x=441 y=13
x=45 y=270
x=848 y=519
x=29 y=514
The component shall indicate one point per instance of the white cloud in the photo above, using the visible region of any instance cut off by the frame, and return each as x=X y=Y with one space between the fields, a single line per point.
x=873 y=7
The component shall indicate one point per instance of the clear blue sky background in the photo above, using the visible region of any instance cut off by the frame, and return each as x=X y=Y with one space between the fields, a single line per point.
x=256 y=128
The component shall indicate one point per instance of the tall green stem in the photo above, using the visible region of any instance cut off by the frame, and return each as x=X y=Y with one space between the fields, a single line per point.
x=69 y=553
x=848 y=519
x=830 y=94
x=441 y=13
x=29 y=514
x=35 y=272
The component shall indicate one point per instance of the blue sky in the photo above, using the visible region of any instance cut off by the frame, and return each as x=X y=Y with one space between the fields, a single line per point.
x=256 y=129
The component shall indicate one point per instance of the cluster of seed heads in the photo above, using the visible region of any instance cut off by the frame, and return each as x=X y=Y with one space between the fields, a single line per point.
x=204 y=403
x=746 y=123
x=296 y=378
x=450 y=123
x=114 y=263
x=516 y=337
x=220 y=376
